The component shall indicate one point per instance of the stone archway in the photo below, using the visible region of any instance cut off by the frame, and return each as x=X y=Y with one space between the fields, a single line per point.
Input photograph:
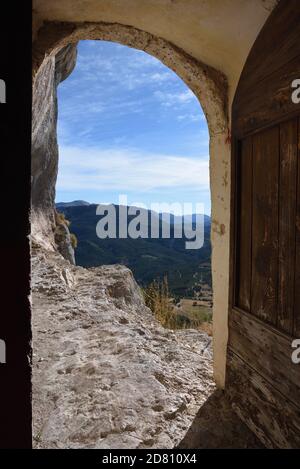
x=209 y=86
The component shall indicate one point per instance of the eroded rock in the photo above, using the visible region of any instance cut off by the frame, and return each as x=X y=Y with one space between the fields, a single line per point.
x=106 y=374
x=44 y=162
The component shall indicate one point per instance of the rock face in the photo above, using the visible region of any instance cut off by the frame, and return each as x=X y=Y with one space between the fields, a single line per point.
x=106 y=374
x=44 y=164
x=63 y=242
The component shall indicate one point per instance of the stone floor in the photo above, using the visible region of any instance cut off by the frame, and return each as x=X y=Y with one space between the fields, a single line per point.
x=107 y=375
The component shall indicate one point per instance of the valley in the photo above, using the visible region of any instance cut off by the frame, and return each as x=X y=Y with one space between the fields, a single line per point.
x=188 y=272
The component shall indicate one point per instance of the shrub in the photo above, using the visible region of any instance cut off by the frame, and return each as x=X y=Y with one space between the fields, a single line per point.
x=74 y=240
x=157 y=298
x=61 y=219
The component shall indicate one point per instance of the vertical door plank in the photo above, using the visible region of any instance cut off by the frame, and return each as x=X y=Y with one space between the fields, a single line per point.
x=297 y=257
x=265 y=225
x=244 y=225
x=287 y=214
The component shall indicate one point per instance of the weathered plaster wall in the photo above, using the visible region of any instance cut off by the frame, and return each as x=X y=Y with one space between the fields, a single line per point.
x=206 y=42
x=216 y=32
x=209 y=85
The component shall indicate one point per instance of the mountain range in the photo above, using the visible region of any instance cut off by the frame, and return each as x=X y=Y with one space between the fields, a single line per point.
x=148 y=258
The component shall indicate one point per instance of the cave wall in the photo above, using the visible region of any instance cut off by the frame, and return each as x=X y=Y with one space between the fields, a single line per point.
x=46 y=230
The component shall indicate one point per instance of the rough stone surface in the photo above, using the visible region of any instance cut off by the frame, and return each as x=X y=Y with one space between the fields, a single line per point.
x=105 y=373
x=63 y=242
x=44 y=164
x=44 y=123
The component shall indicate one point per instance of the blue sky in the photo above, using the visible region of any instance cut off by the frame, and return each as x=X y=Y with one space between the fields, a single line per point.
x=129 y=125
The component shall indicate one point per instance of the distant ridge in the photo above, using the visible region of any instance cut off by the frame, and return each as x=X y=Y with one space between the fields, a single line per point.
x=174 y=219
x=187 y=218
x=74 y=203
x=148 y=258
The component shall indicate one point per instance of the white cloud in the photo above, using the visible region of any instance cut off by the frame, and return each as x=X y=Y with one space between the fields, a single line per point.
x=159 y=77
x=141 y=68
x=174 y=99
x=101 y=113
x=128 y=170
x=112 y=83
x=191 y=117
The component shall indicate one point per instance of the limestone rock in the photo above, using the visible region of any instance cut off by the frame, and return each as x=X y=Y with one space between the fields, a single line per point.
x=63 y=242
x=106 y=374
x=44 y=164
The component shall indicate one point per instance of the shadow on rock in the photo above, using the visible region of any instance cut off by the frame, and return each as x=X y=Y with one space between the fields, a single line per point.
x=217 y=426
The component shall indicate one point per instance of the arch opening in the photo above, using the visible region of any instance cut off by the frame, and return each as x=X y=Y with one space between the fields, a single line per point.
x=210 y=87
x=211 y=90
x=143 y=143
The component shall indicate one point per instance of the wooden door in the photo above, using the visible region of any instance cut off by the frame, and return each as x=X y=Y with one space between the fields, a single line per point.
x=264 y=319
